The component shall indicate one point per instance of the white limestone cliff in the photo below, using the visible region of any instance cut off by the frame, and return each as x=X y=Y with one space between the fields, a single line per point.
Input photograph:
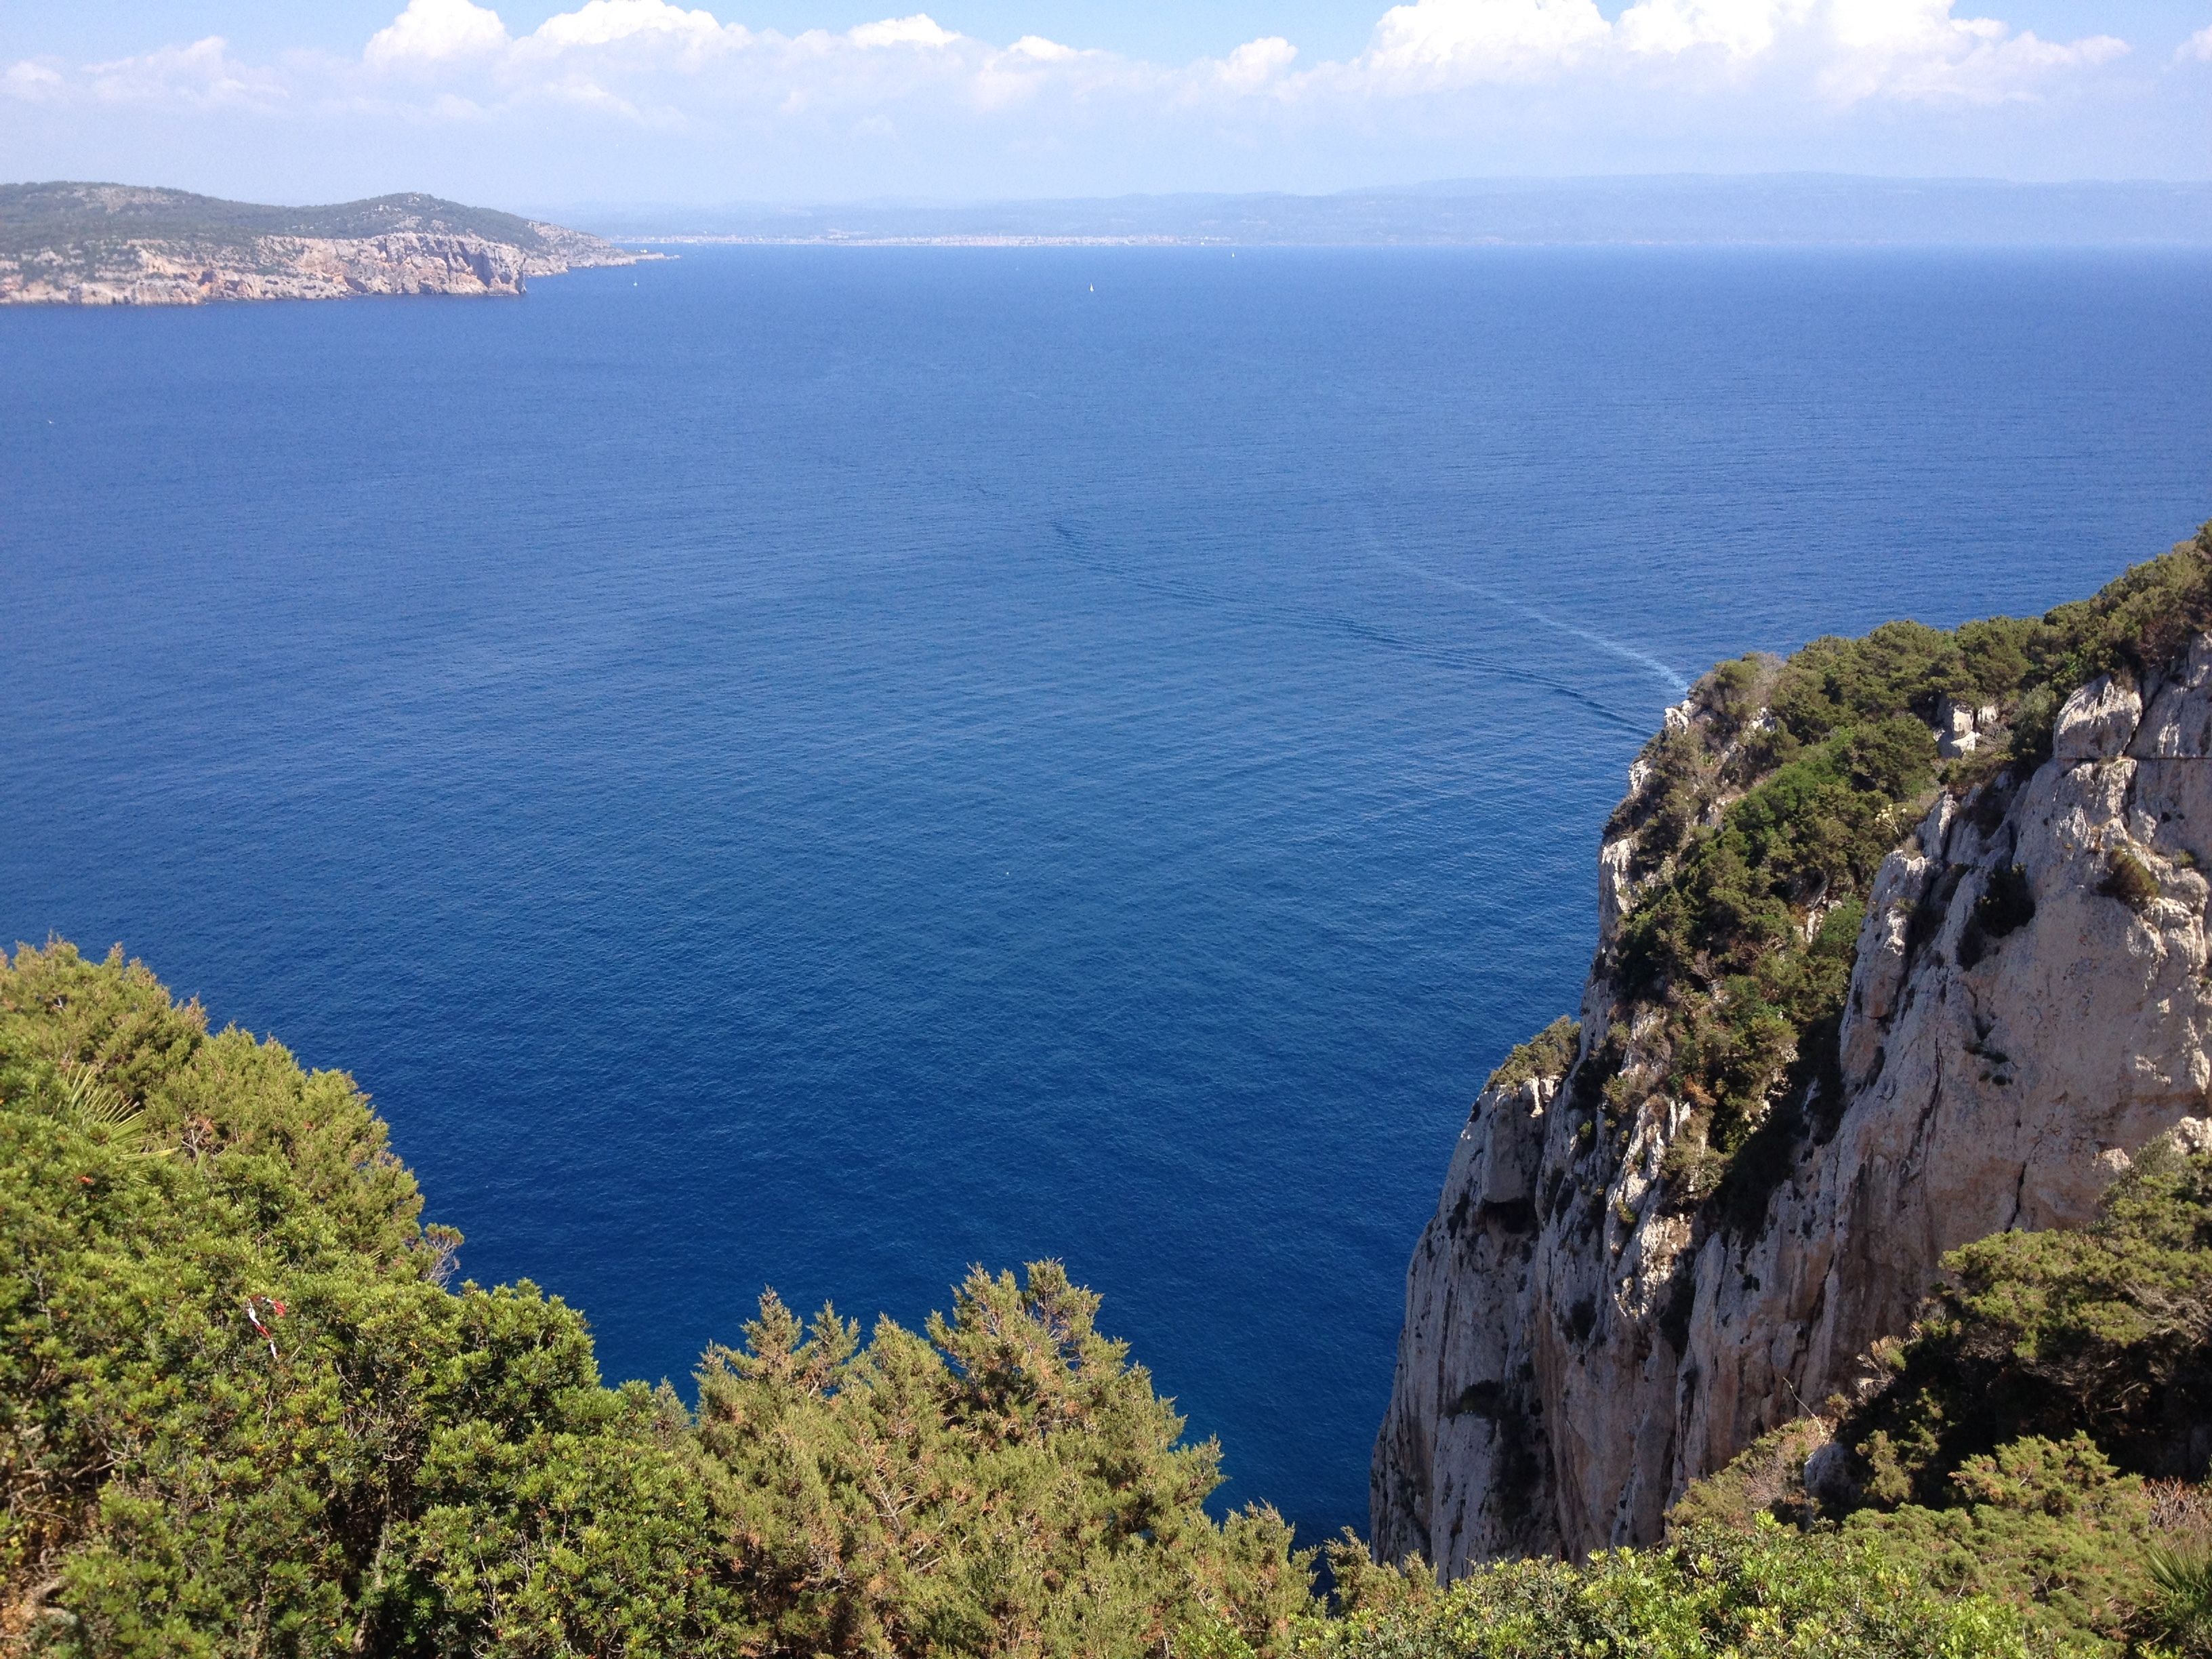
x=1579 y=1345
x=172 y=272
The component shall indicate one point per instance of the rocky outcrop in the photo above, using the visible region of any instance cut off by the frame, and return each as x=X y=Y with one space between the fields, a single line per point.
x=69 y=244
x=2027 y=1007
x=300 y=268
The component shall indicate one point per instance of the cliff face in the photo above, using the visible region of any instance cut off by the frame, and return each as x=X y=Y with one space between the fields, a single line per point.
x=185 y=273
x=117 y=244
x=2026 y=1008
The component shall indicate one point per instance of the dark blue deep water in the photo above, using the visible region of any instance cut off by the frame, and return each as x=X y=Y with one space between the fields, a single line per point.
x=815 y=768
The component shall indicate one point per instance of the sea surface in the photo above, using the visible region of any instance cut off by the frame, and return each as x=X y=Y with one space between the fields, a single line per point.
x=818 y=767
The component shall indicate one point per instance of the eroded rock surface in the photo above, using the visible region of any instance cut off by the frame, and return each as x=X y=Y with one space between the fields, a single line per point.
x=299 y=268
x=1576 y=1348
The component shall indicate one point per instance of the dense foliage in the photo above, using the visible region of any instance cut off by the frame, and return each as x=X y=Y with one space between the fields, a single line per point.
x=1759 y=823
x=2024 y=1440
x=1761 y=1592
x=1006 y=1482
x=2104 y=1331
x=240 y=1413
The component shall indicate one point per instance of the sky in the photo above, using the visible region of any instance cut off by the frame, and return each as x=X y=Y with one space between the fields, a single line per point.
x=549 y=103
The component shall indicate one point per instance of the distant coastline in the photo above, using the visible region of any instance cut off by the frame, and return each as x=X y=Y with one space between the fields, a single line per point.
x=74 y=244
x=839 y=240
x=1757 y=209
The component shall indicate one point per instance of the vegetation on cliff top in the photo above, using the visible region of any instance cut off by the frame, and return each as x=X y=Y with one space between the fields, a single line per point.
x=57 y=216
x=1547 y=1054
x=1759 y=823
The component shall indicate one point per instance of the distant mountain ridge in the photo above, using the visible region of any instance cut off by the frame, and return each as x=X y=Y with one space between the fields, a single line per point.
x=1683 y=209
x=68 y=243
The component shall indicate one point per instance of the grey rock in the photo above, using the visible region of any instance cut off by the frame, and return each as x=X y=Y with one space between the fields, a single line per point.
x=2097 y=722
x=168 y=273
x=1956 y=730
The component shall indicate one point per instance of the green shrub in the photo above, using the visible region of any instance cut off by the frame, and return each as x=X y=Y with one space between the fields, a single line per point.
x=2106 y=1331
x=1006 y=1480
x=2128 y=879
x=2047 y=1527
x=1766 y=1477
x=1710 y=1591
x=1547 y=1055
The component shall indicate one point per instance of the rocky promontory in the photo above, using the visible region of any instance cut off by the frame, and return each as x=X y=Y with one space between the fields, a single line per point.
x=1902 y=944
x=99 y=244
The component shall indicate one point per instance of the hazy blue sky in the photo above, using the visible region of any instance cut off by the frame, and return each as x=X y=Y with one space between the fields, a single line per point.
x=543 y=102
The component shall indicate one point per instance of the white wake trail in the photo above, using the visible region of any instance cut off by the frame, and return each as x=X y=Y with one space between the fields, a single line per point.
x=1643 y=660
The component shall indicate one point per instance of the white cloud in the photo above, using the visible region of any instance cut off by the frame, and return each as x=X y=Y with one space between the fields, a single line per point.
x=1907 y=49
x=201 y=75
x=1743 y=28
x=432 y=31
x=583 y=93
x=603 y=22
x=1441 y=42
x=1915 y=49
x=1472 y=85
x=1257 y=63
x=31 y=79
x=624 y=57
x=1465 y=41
x=919 y=30
x=2197 y=46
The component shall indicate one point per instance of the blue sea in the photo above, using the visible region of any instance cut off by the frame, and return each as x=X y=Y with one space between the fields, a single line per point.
x=818 y=767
